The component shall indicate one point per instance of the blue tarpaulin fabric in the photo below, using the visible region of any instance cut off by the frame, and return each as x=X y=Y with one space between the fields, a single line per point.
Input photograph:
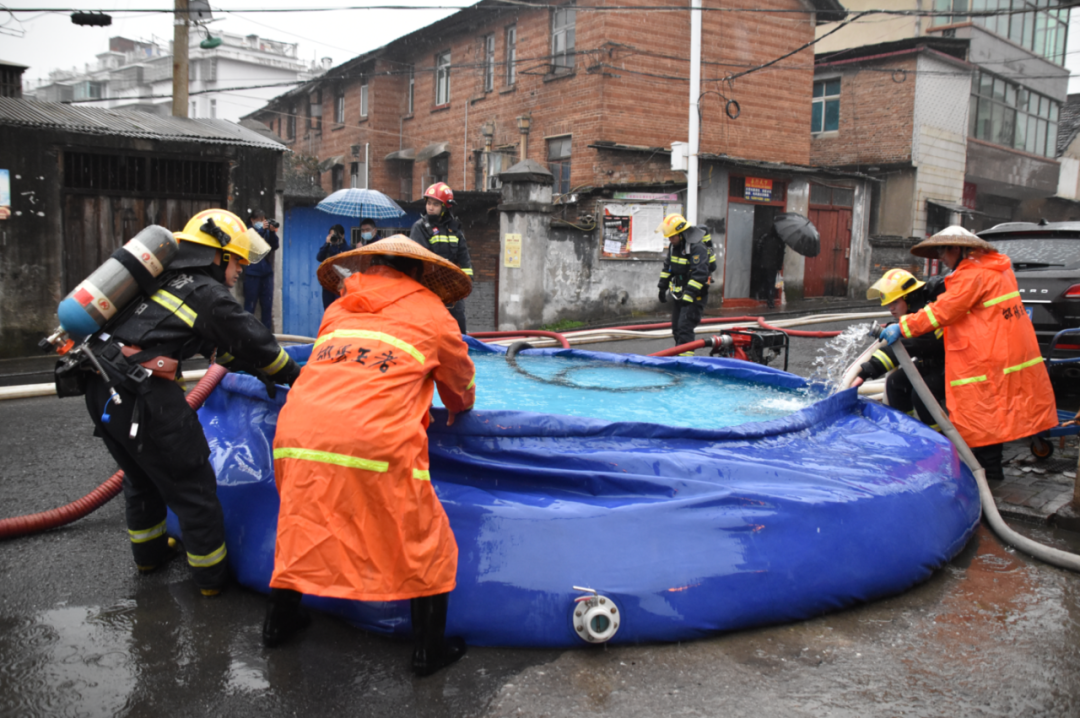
x=688 y=531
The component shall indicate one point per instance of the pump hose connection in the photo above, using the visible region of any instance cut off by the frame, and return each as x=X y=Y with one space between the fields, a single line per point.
x=54 y=518
x=1053 y=556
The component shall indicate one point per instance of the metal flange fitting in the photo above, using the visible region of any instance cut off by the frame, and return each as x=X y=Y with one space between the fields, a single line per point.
x=595 y=618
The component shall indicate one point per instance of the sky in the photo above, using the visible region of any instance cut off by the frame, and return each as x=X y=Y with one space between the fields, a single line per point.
x=48 y=40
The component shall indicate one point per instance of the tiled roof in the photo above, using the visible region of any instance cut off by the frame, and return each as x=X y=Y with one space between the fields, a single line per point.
x=127 y=123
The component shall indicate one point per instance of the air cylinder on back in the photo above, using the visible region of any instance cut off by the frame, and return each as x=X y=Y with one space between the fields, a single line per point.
x=130 y=270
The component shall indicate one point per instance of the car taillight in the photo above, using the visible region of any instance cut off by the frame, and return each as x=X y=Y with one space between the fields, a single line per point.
x=1073 y=292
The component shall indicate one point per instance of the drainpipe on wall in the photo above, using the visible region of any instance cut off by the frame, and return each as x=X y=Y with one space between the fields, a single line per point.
x=465 y=150
x=695 y=116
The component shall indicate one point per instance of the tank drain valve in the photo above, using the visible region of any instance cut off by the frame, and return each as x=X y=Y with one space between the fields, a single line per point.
x=596 y=618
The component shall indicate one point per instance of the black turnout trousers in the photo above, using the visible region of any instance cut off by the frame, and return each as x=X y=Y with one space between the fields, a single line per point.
x=166 y=464
x=685 y=316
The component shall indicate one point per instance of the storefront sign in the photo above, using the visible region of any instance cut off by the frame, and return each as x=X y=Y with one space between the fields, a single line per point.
x=758 y=188
x=512 y=251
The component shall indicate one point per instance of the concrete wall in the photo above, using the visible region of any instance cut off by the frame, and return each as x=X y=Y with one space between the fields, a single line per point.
x=896 y=204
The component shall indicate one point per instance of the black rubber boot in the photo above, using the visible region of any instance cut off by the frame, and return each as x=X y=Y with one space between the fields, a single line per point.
x=284 y=616
x=989 y=457
x=432 y=651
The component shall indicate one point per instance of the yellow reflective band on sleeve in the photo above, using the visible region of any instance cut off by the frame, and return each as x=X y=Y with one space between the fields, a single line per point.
x=707 y=239
x=147 y=534
x=665 y=275
x=931 y=317
x=467 y=271
x=326 y=457
x=377 y=336
x=443 y=239
x=211 y=559
x=904 y=327
x=472 y=382
x=885 y=360
x=694 y=283
x=277 y=365
x=175 y=305
x=1002 y=298
x=1025 y=365
x=679 y=260
x=421 y=475
x=225 y=358
x=972 y=380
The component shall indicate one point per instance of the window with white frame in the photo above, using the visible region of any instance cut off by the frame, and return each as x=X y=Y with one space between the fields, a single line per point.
x=412 y=91
x=489 y=63
x=442 y=78
x=358 y=175
x=339 y=106
x=364 y=100
x=1041 y=26
x=213 y=109
x=1010 y=114
x=825 y=110
x=558 y=154
x=562 y=39
x=511 y=55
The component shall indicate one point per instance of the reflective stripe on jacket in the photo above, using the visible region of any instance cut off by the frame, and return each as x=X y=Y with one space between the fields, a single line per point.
x=359 y=518
x=686 y=270
x=997 y=388
x=445 y=239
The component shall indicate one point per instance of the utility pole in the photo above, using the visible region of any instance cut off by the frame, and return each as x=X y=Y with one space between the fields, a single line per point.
x=695 y=117
x=180 y=60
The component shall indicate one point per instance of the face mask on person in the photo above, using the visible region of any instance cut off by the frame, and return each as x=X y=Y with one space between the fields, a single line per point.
x=258 y=225
x=367 y=236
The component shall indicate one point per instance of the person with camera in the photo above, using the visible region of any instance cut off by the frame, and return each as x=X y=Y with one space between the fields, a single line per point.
x=259 y=278
x=335 y=244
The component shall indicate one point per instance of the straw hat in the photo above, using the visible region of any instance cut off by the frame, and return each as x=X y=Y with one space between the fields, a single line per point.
x=954 y=236
x=440 y=275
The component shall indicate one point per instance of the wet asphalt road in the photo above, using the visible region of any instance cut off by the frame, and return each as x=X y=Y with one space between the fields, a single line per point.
x=81 y=634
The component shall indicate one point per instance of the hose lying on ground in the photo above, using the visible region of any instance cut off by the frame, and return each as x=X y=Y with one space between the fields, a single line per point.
x=53 y=518
x=1053 y=556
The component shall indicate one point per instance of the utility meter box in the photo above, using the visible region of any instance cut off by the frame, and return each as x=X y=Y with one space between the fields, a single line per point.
x=680 y=156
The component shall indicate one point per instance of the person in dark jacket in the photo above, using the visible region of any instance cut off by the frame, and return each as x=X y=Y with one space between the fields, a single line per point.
x=334 y=245
x=259 y=278
x=766 y=260
x=903 y=294
x=150 y=430
x=686 y=274
x=439 y=231
x=368 y=232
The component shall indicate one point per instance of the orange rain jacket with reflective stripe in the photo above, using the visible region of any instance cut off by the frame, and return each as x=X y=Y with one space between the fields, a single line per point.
x=359 y=518
x=997 y=388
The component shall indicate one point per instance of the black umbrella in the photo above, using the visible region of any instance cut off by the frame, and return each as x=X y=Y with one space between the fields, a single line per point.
x=798 y=233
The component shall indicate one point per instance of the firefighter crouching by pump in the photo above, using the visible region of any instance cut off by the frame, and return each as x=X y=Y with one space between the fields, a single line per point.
x=152 y=433
x=687 y=273
x=997 y=387
x=903 y=294
x=440 y=231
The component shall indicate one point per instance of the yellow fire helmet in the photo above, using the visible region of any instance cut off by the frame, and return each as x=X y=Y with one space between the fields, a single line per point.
x=894 y=284
x=672 y=225
x=221 y=229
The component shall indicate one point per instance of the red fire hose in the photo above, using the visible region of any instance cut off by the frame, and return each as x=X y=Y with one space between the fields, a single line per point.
x=53 y=518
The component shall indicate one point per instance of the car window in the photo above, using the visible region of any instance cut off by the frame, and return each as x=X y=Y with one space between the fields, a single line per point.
x=1041 y=250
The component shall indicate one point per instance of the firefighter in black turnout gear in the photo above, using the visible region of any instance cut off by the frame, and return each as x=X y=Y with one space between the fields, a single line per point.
x=903 y=294
x=440 y=231
x=687 y=273
x=153 y=434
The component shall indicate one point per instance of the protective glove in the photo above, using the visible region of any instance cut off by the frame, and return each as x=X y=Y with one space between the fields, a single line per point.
x=890 y=334
x=288 y=373
x=663 y=296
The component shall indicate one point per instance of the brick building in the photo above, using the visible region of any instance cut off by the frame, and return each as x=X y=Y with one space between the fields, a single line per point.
x=597 y=97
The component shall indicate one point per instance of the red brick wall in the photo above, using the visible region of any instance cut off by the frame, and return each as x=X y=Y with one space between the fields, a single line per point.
x=629 y=86
x=877 y=115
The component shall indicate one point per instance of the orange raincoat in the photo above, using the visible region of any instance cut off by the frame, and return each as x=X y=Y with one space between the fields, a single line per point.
x=359 y=518
x=997 y=388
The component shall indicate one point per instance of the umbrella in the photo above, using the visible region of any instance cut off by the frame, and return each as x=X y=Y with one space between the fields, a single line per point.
x=798 y=233
x=360 y=203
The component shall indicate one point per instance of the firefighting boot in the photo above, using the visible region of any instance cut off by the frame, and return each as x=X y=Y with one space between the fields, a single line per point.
x=284 y=616
x=432 y=651
x=171 y=551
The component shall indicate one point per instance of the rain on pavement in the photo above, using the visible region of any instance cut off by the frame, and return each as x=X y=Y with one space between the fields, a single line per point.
x=993 y=633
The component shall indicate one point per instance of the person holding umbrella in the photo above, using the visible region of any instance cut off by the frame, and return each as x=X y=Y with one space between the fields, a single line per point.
x=335 y=244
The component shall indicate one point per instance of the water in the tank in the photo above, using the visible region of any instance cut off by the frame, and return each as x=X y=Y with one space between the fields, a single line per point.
x=626 y=392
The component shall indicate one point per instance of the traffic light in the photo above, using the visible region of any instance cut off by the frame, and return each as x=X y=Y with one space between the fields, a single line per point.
x=98 y=19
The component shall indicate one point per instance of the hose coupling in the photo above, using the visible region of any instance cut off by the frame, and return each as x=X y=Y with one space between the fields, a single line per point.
x=595 y=618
